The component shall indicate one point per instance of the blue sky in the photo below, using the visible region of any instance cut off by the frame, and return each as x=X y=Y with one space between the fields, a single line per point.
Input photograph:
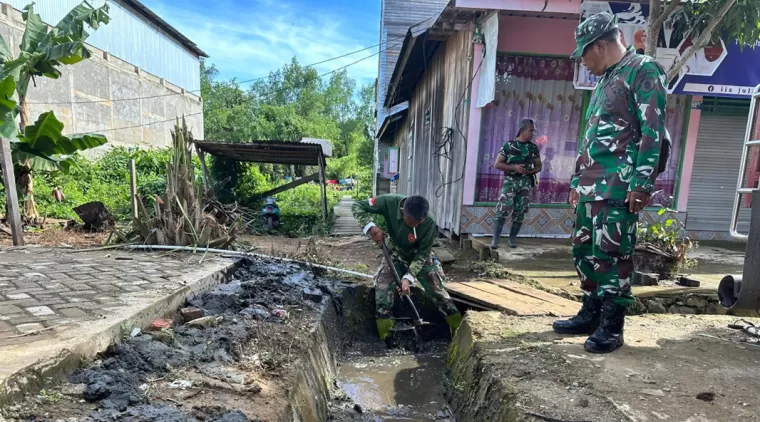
x=247 y=39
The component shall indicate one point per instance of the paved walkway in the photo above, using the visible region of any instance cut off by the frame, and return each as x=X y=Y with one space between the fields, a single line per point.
x=345 y=225
x=57 y=303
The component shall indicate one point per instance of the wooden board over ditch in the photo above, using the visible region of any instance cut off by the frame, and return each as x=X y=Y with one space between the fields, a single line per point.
x=511 y=298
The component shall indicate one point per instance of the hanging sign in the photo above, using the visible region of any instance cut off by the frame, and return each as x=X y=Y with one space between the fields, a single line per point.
x=671 y=42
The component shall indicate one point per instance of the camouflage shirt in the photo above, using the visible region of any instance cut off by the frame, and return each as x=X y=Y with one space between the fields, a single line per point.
x=620 y=149
x=516 y=152
x=413 y=246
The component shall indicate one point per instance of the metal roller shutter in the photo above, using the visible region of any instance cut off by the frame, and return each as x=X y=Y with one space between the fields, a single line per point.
x=716 y=168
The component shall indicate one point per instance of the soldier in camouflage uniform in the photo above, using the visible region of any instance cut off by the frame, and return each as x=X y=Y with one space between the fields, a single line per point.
x=520 y=161
x=411 y=234
x=618 y=162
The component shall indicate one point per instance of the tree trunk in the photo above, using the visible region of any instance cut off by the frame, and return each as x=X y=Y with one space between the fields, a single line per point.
x=702 y=40
x=657 y=17
x=27 y=179
x=653 y=29
x=24 y=115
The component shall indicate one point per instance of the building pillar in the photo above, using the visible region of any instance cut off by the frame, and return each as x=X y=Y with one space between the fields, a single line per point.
x=687 y=167
x=473 y=131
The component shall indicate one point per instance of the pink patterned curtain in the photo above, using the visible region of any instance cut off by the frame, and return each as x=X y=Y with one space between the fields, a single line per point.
x=675 y=117
x=540 y=89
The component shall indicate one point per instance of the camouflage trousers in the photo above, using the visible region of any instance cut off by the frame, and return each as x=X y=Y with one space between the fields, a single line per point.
x=603 y=242
x=514 y=199
x=431 y=278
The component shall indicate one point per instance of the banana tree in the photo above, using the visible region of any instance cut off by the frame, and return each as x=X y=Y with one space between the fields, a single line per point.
x=42 y=146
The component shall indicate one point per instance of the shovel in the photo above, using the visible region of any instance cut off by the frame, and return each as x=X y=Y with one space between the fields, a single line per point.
x=417 y=321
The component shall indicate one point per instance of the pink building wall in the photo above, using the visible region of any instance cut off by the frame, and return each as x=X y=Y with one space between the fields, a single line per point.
x=568 y=7
x=516 y=35
x=537 y=35
x=687 y=167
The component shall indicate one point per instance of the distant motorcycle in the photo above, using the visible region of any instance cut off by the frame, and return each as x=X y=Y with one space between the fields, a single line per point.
x=271 y=214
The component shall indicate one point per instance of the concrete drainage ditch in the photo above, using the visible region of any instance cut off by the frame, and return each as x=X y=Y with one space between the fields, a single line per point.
x=278 y=343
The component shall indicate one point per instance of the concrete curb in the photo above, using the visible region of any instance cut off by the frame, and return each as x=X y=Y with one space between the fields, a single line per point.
x=30 y=367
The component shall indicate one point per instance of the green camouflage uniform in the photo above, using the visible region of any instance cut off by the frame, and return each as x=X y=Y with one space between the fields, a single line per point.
x=517 y=188
x=619 y=153
x=411 y=254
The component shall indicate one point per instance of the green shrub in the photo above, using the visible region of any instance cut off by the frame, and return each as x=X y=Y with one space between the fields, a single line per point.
x=107 y=180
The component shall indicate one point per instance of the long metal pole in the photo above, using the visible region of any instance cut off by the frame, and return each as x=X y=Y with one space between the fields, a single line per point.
x=749 y=293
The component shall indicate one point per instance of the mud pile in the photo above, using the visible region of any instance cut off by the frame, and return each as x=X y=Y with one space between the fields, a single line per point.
x=248 y=327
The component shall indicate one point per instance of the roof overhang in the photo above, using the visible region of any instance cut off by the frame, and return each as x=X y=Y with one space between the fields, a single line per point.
x=173 y=32
x=270 y=152
x=416 y=53
x=392 y=123
x=420 y=44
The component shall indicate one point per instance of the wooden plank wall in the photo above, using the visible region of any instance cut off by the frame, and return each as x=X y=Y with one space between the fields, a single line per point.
x=432 y=153
x=396 y=16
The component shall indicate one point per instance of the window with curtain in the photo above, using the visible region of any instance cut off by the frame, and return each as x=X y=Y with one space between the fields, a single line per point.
x=541 y=88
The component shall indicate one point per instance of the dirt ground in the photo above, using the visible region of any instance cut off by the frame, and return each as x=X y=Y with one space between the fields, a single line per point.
x=672 y=368
x=232 y=365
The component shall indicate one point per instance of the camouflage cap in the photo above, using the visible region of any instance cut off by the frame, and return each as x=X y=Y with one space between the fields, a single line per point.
x=591 y=29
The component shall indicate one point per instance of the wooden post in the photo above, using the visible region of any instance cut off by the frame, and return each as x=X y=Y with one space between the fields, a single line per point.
x=202 y=157
x=133 y=187
x=11 y=195
x=323 y=187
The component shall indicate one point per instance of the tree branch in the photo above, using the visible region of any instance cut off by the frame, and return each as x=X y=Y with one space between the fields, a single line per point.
x=653 y=30
x=701 y=40
x=666 y=13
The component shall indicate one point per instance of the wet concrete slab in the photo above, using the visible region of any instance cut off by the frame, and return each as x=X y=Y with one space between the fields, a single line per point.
x=550 y=262
x=672 y=368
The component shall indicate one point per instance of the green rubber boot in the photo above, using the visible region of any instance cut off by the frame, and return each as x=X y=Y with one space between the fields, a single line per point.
x=384 y=327
x=454 y=321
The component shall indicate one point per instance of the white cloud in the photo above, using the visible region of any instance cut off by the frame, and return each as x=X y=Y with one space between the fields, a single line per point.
x=250 y=40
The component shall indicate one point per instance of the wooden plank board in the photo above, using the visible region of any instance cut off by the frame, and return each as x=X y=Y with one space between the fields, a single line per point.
x=517 y=300
x=535 y=293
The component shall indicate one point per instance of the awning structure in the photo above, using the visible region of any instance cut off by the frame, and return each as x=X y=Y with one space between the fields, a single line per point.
x=308 y=152
x=269 y=152
x=391 y=124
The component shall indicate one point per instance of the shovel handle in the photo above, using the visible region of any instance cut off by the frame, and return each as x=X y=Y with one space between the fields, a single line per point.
x=389 y=261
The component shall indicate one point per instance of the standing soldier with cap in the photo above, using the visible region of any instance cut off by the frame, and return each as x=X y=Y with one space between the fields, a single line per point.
x=520 y=161
x=618 y=161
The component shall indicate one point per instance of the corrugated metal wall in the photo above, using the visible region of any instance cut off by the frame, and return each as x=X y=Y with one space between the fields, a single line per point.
x=396 y=18
x=716 y=169
x=433 y=152
x=131 y=39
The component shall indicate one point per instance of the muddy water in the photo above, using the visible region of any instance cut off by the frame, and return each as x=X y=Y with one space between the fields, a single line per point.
x=396 y=387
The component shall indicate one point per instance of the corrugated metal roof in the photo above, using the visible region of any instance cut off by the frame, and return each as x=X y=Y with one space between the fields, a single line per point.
x=271 y=152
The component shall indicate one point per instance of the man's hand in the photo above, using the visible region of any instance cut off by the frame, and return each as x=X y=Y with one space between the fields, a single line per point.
x=404 y=290
x=377 y=235
x=519 y=169
x=574 y=198
x=637 y=201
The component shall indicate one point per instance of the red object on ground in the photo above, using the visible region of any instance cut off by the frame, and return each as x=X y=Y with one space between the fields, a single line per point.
x=160 y=324
x=190 y=314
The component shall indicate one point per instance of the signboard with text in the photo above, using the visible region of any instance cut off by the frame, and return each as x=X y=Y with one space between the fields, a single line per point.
x=672 y=42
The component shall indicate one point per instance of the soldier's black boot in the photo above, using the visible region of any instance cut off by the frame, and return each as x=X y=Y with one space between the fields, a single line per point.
x=513 y=234
x=498 y=226
x=587 y=320
x=609 y=336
